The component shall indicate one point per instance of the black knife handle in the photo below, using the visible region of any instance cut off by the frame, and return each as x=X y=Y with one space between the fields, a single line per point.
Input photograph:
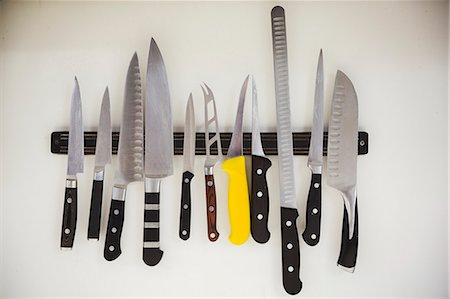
x=349 y=247
x=152 y=254
x=290 y=251
x=69 y=221
x=211 y=206
x=115 y=224
x=259 y=200
x=95 y=212
x=311 y=235
x=185 y=209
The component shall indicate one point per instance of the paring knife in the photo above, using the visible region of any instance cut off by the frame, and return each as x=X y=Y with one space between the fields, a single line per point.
x=342 y=154
x=234 y=165
x=75 y=165
x=158 y=149
x=188 y=170
x=102 y=157
x=210 y=162
x=259 y=200
x=289 y=235
x=129 y=157
x=311 y=234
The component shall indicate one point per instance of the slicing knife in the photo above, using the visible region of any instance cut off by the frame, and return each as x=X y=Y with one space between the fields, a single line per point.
x=102 y=157
x=129 y=157
x=75 y=165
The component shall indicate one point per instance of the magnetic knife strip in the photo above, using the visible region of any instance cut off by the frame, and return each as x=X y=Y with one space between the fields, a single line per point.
x=60 y=140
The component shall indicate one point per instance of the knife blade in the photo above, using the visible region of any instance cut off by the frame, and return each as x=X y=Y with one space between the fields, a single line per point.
x=103 y=155
x=130 y=157
x=259 y=200
x=234 y=165
x=289 y=234
x=188 y=170
x=158 y=149
x=210 y=161
x=311 y=234
x=342 y=163
x=75 y=165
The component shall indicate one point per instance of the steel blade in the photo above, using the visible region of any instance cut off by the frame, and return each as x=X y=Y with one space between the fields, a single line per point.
x=257 y=148
x=315 y=158
x=235 y=148
x=210 y=161
x=189 y=137
x=76 y=135
x=158 y=118
x=104 y=140
x=130 y=153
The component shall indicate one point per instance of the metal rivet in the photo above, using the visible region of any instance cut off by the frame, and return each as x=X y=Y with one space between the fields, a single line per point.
x=212 y=235
x=290 y=269
x=289 y=246
x=362 y=143
x=186 y=180
x=116 y=212
x=114 y=230
x=211 y=208
x=316 y=185
x=184 y=232
x=69 y=200
x=259 y=171
x=260 y=216
x=259 y=194
x=210 y=183
x=315 y=211
x=185 y=206
x=288 y=223
x=111 y=248
x=313 y=236
x=67 y=231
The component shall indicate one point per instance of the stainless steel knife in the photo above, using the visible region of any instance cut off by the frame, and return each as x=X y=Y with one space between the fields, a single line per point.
x=158 y=149
x=210 y=162
x=102 y=157
x=289 y=234
x=129 y=157
x=75 y=165
x=188 y=170
x=342 y=166
x=259 y=200
x=311 y=234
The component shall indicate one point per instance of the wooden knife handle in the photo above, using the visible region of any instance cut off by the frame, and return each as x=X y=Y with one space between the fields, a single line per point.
x=96 y=210
x=311 y=235
x=185 y=209
x=152 y=254
x=349 y=247
x=213 y=234
x=69 y=221
x=115 y=224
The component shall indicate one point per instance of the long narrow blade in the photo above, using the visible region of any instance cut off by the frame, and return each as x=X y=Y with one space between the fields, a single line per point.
x=189 y=137
x=235 y=148
x=158 y=118
x=104 y=142
x=284 y=137
x=315 y=159
x=257 y=148
x=210 y=121
x=76 y=135
x=130 y=153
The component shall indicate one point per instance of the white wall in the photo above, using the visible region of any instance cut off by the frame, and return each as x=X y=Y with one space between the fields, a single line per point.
x=396 y=55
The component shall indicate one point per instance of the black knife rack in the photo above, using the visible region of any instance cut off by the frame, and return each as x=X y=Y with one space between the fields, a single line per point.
x=60 y=140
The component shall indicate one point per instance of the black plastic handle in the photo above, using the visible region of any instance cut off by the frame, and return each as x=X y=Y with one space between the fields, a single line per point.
x=259 y=200
x=114 y=232
x=69 y=222
x=311 y=235
x=290 y=251
x=95 y=212
x=349 y=247
x=152 y=254
x=185 y=209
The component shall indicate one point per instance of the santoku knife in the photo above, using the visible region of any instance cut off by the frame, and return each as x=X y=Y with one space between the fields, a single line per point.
x=158 y=149
x=102 y=157
x=342 y=158
x=74 y=166
x=129 y=157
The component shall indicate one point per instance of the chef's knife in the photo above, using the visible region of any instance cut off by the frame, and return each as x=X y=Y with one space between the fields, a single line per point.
x=102 y=157
x=211 y=161
x=130 y=157
x=289 y=235
x=259 y=200
x=188 y=170
x=234 y=165
x=342 y=154
x=311 y=234
x=158 y=149
x=74 y=166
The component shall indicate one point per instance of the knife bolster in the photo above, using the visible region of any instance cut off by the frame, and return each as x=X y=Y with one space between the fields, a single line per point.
x=119 y=193
x=99 y=174
x=152 y=185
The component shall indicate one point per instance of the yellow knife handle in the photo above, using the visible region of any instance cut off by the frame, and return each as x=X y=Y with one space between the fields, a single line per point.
x=238 y=202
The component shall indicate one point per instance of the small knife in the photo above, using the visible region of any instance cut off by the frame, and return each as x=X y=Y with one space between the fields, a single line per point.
x=158 y=149
x=188 y=171
x=130 y=157
x=342 y=163
x=74 y=166
x=259 y=200
x=210 y=162
x=102 y=157
x=311 y=234
x=238 y=202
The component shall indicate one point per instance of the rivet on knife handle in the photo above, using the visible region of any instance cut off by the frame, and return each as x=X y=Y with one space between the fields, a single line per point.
x=185 y=210
x=70 y=214
x=213 y=234
x=311 y=235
